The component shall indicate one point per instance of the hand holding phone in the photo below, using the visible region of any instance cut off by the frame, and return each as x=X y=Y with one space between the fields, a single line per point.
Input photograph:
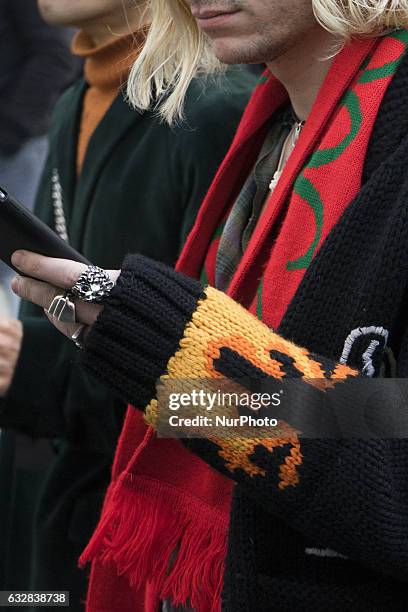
x=20 y=229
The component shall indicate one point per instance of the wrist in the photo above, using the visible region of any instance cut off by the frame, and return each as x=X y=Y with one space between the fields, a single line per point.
x=140 y=327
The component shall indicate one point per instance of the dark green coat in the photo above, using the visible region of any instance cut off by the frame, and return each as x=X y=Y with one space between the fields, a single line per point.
x=139 y=190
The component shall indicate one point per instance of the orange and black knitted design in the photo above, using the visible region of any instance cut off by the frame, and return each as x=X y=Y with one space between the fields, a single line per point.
x=220 y=327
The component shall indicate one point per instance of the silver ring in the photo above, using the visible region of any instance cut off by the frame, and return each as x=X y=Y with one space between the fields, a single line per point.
x=62 y=309
x=77 y=336
x=94 y=285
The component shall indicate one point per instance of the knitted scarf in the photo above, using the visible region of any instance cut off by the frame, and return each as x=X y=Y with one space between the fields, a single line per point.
x=164 y=525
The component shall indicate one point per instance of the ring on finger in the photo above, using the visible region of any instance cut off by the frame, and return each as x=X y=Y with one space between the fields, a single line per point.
x=94 y=285
x=62 y=309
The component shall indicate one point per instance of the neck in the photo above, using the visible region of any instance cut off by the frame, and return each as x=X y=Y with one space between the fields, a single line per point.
x=303 y=69
x=116 y=24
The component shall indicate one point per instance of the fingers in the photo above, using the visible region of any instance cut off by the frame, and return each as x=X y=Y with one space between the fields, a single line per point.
x=42 y=294
x=86 y=313
x=10 y=343
x=11 y=335
x=35 y=291
x=62 y=273
x=68 y=329
x=10 y=328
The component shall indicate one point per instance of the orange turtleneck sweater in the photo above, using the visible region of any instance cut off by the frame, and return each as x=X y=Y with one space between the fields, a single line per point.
x=106 y=70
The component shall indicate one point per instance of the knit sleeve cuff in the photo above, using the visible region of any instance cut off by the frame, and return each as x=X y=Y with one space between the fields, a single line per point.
x=140 y=328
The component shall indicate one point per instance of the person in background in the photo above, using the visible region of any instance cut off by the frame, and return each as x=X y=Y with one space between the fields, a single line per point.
x=296 y=268
x=35 y=68
x=115 y=181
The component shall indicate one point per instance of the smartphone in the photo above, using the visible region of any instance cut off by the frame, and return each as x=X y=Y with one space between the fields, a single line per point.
x=21 y=229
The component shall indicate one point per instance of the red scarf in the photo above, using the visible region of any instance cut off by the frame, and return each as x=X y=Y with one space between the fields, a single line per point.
x=162 y=497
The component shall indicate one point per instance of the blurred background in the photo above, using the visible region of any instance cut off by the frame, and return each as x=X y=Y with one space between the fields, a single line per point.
x=36 y=66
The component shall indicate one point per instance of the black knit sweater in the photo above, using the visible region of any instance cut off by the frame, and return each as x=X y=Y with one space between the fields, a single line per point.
x=339 y=539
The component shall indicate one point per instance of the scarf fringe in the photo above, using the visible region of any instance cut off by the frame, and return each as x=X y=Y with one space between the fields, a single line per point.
x=153 y=535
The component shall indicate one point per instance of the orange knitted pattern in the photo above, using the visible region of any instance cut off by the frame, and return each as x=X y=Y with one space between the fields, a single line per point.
x=220 y=323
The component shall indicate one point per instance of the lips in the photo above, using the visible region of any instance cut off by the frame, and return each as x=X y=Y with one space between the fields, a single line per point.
x=204 y=14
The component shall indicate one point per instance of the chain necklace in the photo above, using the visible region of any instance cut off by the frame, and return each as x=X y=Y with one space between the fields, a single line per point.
x=58 y=206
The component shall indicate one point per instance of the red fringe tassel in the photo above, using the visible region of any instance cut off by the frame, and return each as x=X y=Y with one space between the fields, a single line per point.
x=153 y=534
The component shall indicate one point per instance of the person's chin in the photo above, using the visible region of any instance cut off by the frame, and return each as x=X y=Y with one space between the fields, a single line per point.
x=231 y=52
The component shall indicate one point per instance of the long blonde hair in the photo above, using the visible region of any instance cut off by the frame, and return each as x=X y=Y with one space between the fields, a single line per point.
x=176 y=50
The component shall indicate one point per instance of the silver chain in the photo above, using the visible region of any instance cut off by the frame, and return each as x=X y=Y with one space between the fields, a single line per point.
x=58 y=206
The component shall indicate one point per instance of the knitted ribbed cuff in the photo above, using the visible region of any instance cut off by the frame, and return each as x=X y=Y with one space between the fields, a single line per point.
x=140 y=328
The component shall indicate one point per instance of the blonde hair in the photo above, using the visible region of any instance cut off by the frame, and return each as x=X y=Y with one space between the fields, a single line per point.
x=176 y=50
x=351 y=18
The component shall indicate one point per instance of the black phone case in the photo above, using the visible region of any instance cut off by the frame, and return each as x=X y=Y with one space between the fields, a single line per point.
x=21 y=229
